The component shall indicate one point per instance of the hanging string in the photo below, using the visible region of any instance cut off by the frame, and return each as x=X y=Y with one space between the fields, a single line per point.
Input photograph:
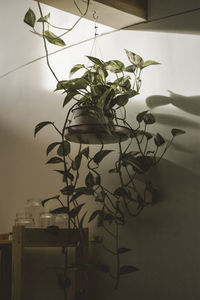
x=95 y=17
x=95 y=46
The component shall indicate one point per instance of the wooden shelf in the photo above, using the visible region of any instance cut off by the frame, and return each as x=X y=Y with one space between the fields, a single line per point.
x=5 y=242
x=5 y=269
x=35 y=237
x=114 y=13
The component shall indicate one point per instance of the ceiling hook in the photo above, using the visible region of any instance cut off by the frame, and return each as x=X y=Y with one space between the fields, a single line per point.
x=94 y=15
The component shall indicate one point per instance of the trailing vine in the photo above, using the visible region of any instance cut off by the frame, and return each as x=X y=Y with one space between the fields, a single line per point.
x=103 y=89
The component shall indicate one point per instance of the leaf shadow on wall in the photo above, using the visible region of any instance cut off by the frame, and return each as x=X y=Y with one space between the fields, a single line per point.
x=189 y=105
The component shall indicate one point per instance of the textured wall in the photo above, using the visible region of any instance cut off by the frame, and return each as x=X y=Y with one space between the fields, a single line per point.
x=165 y=238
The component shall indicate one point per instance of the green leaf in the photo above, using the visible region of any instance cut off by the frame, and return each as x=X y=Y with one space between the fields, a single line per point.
x=70 y=95
x=72 y=85
x=159 y=140
x=149 y=63
x=66 y=174
x=77 y=162
x=130 y=69
x=30 y=18
x=103 y=98
x=103 y=74
x=54 y=160
x=86 y=152
x=145 y=162
x=140 y=116
x=60 y=171
x=99 y=156
x=89 y=180
x=60 y=210
x=94 y=215
x=127 y=269
x=67 y=190
x=121 y=192
x=148 y=135
x=69 y=175
x=131 y=93
x=122 y=100
x=44 y=19
x=48 y=199
x=76 y=210
x=64 y=149
x=51 y=147
x=84 y=190
x=123 y=250
x=95 y=60
x=129 y=159
x=75 y=69
x=81 y=191
x=125 y=84
x=53 y=39
x=149 y=119
x=135 y=59
x=98 y=90
x=115 y=66
x=39 y=126
x=176 y=131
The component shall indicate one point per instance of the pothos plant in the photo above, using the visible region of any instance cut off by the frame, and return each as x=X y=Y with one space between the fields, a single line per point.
x=107 y=86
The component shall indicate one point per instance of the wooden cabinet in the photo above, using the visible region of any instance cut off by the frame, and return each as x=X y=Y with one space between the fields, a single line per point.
x=5 y=269
x=36 y=237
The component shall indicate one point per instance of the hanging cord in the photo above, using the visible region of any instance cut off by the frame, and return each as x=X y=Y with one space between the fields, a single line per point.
x=93 y=49
x=95 y=46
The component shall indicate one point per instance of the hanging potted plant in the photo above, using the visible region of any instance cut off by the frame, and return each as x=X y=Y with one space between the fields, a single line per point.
x=94 y=100
x=102 y=90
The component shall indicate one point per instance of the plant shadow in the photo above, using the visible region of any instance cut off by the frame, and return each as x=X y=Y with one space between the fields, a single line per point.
x=185 y=117
x=190 y=104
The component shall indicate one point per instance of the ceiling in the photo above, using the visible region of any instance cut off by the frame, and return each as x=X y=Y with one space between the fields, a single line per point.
x=125 y=12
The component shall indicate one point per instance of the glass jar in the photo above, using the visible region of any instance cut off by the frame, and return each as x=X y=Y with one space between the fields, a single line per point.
x=46 y=220
x=61 y=220
x=34 y=208
x=24 y=219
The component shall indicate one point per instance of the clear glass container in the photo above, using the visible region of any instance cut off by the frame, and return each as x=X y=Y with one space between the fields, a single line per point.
x=24 y=219
x=46 y=220
x=34 y=208
x=61 y=220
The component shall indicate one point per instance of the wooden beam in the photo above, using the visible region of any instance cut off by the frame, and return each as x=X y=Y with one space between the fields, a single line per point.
x=134 y=7
x=113 y=13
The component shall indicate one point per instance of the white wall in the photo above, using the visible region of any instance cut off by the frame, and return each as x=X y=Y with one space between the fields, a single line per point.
x=165 y=238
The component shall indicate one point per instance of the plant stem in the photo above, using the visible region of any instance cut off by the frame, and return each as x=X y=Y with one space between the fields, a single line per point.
x=80 y=18
x=45 y=45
